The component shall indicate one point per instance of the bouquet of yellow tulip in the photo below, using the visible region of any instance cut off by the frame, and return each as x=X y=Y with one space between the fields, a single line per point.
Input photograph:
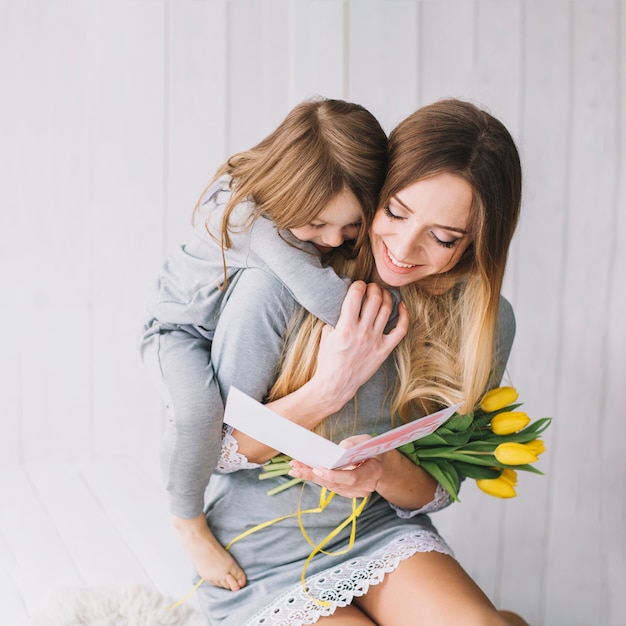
x=488 y=445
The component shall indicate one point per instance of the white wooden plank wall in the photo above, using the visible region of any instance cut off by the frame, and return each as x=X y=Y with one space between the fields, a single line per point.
x=114 y=115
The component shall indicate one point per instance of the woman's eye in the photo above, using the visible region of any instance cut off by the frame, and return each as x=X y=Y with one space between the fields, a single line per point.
x=317 y=226
x=391 y=214
x=445 y=244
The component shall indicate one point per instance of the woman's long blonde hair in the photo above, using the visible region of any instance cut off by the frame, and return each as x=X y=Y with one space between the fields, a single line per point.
x=448 y=354
x=321 y=148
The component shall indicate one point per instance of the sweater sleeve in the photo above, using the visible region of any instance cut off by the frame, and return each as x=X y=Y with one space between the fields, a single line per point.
x=195 y=415
x=298 y=267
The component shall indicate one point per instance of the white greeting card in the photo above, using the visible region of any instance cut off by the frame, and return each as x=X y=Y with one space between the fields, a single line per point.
x=257 y=421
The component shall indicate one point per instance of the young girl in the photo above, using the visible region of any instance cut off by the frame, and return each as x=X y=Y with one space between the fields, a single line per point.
x=308 y=188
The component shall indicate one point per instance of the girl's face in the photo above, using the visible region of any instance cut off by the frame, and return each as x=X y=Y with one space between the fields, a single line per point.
x=423 y=231
x=340 y=220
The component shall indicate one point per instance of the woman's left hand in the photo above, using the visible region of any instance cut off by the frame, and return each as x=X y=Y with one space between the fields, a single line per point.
x=356 y=481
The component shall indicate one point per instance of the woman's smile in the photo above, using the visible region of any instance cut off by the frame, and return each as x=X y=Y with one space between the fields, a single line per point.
x=423 y=230
x=396 y=263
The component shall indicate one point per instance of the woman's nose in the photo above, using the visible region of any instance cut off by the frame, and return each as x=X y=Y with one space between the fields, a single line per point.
x=406 y=246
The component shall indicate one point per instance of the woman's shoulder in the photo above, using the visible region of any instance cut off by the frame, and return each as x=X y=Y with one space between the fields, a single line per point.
x=506 y=316
x=259 y=293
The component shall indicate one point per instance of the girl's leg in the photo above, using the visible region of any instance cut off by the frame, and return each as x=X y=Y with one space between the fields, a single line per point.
x=430 y=588
x=347 y=616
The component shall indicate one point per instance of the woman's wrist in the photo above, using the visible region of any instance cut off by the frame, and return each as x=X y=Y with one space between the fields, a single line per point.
x=403 y=483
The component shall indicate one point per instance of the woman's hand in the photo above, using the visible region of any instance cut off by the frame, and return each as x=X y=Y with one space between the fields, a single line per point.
x=355 y=349
x=356 y=481
x=391 y=474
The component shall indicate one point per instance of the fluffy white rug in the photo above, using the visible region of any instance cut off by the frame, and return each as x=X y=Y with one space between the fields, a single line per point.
x=130 y=605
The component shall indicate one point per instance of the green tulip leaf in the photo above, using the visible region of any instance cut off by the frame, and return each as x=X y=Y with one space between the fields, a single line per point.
x=486 y=460
x=406 y=448
x=434 y=439
x=409 y=451
x=445 y=475
x=459 y=423
x=458 y=439
x=476 y=472
x=480 y=446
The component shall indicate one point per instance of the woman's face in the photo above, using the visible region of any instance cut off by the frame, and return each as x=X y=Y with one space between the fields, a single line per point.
x=423 y=231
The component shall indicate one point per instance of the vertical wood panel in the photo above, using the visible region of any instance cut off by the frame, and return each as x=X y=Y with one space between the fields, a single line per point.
x=447 y=49
x=613 y=493
x=319 y=49
x=196 y=106
x=384 y=58
x=539 y=266
x=577 y=485
x=258 y=49
x=12 y=126
x=127 y=109
x=50 y=207
x=497 y=81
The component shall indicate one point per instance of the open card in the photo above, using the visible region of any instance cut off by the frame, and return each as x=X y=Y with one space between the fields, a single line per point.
x=257 y=421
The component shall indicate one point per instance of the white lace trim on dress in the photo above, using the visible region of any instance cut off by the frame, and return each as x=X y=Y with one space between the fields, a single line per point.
x=340 y=585
x=440 y=501
x=230 y=458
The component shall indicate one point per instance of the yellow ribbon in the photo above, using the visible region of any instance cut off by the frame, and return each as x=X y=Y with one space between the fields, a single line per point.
x=351 y=519
x=325 y=499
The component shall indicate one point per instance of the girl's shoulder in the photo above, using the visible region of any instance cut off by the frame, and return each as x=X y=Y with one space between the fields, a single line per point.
x=212 y=207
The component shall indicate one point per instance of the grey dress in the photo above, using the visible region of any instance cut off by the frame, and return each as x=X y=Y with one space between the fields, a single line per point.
x=246 y=349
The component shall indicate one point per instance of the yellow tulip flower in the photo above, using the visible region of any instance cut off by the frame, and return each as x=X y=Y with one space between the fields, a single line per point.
x=509 y=422
x=513 y=453
x=537 y=446
x=510 y=476
x=498 y=398
x=501 y=487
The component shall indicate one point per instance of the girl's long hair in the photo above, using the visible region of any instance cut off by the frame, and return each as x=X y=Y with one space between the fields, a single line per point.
x=447 y=355
x=321 y=148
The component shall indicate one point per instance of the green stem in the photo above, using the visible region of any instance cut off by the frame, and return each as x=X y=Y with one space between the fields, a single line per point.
x=289 y=483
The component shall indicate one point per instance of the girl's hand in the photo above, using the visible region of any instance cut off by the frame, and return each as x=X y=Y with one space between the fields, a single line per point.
x=354 y=350
x=357 y=481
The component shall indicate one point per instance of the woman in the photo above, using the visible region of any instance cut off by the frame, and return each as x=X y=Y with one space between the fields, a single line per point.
x=440 y=238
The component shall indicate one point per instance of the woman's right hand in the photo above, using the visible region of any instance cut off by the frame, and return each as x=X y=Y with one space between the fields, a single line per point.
x=352 y=351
